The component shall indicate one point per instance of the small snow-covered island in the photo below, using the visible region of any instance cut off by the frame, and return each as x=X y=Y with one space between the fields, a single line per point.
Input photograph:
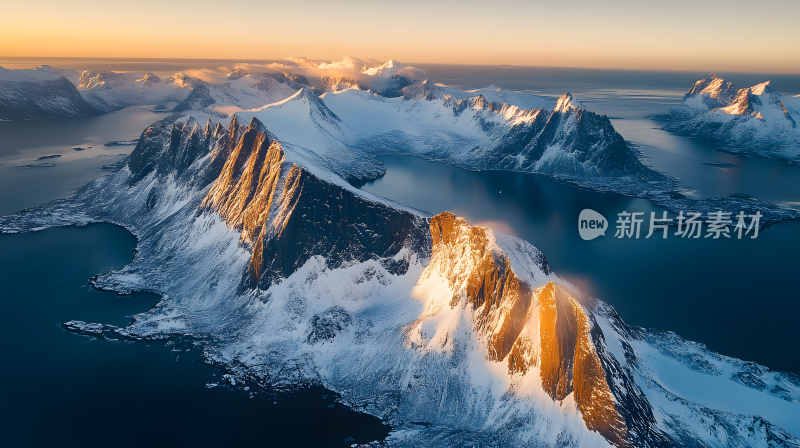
x=287 y=275
x=756 y=121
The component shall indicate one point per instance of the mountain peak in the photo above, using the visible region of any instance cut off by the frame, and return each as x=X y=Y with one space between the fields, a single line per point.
x=183 y=80
x=149 y=78
x=305 y=95
x=256 y=124
x=715 y=87
x=760 y=89
x=567 y=102
x=430 y=91
x=235 y=122
x=237 y=73
x=387 y=69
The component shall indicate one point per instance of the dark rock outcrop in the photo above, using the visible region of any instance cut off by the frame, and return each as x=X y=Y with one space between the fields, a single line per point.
x=544 y=327
x=199 y=98
x=288 y=215
x=326 y=326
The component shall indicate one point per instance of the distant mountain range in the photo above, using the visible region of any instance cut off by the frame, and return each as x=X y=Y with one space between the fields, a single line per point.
x=47 y=92
x=755 y=121
x=348 y=115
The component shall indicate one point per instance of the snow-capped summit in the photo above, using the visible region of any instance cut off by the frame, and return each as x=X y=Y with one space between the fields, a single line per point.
x=336 y=83
x=704 y=95
x=149 y=78
x=425 y=90
x=714 y=88
x=91 y=79
x=567 y=102
x=758 y=101
x=182 y=80
x=760 y=89
x=237 y=73
x=385 y=70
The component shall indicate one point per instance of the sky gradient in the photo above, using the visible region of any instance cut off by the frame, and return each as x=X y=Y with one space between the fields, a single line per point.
x=741 y=36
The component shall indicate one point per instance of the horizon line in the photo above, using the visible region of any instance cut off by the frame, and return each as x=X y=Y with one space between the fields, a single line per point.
x=510 y=66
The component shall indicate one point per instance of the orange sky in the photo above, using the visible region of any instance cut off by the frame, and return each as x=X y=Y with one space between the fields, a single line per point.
x=676 y=35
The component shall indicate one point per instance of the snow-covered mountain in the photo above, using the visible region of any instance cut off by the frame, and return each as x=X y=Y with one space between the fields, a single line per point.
x=41 y=93
x=336 y=83
x=560 y=138
x=287 y=276
x=492 y=94
x=240 y=91
x=465 y=130
x=752 y=121
x=45 y=92
x=109 y=91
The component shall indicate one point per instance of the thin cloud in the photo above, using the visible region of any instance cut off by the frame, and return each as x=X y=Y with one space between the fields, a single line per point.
x=347 y=67
x=208 y=75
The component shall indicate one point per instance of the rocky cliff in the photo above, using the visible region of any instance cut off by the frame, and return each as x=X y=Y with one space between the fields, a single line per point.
x=544 y=331
x=288 y=215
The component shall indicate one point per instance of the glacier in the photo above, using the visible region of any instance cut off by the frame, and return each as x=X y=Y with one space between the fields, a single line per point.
x=286 y=275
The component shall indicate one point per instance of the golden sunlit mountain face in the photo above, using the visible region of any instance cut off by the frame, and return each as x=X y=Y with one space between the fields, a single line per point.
x=678 y=35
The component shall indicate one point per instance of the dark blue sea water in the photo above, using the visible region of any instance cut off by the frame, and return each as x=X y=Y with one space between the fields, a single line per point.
x=61 y=389
x=22 y=142
x=739 y=297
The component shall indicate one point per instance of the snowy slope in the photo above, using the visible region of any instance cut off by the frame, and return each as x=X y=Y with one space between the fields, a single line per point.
x=243 y=91
x=495 y=94
x=752 y=121
x=288 y=276
x=43 y=73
